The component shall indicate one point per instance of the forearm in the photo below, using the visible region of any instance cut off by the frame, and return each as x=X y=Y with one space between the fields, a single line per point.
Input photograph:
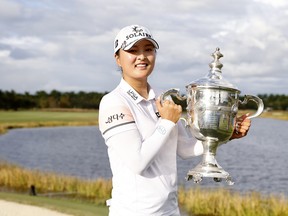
x=136 y=154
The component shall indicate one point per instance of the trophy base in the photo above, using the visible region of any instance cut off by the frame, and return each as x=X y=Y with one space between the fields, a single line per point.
x=209 y=170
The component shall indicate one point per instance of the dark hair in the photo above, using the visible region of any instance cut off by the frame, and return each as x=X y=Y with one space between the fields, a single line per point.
x=118 y=54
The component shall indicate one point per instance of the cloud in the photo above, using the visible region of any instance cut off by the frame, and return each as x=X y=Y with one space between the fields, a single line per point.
x=9 y=10
x=28 y=47
x=68 y=45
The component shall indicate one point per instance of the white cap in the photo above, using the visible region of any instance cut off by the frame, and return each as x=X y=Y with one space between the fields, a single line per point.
x=130 y=35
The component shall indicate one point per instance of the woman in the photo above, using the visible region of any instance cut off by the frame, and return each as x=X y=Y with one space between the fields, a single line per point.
x=143 y=136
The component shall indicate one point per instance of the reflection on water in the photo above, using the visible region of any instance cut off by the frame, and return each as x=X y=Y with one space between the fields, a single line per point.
x=257 y=162
x=77 y=151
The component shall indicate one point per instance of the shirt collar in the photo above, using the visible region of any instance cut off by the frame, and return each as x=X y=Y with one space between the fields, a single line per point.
x=132 y=94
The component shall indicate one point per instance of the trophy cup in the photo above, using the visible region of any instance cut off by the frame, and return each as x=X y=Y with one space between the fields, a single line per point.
x=212 y=106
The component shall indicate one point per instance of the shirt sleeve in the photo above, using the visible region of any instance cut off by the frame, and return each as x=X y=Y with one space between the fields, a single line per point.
x=137 y=155
x=114 y=120
x=123 y=139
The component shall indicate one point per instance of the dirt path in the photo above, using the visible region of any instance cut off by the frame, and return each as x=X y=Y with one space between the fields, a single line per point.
x=15 y=209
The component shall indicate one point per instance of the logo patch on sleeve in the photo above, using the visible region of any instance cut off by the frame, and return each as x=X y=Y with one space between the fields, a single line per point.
x=114 y=117
x=161 y=130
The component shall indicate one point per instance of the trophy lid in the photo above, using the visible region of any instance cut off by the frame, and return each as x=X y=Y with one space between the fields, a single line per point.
x=214 y=77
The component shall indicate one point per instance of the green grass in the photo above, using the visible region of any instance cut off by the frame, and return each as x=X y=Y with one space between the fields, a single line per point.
x=75 y=117
x=73 y=207
x=276 y=114
x=46 y=118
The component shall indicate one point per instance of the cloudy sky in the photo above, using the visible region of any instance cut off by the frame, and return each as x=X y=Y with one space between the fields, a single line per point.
x=67 y=45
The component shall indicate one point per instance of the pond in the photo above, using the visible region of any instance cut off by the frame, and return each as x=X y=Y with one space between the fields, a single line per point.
x=257 y=162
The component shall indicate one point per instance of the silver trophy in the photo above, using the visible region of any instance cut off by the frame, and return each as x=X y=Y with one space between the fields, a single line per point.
x=212 y=106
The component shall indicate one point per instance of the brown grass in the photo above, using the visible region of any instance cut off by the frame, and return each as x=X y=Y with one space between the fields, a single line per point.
x=16 y=178
x=223 y=202
x=195 y=201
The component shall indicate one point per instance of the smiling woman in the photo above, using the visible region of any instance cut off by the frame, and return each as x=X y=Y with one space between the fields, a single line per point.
x=133 y=110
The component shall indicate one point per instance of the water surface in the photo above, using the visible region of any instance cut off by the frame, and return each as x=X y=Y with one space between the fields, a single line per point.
x=257 y=162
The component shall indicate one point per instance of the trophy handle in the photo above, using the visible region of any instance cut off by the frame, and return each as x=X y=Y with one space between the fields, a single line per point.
x=258 y=101
x=186 y=124
x=175 y=92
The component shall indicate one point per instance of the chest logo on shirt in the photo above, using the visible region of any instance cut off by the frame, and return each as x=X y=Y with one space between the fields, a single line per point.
x=114 y=117
x=132 y=94
x=158 y=114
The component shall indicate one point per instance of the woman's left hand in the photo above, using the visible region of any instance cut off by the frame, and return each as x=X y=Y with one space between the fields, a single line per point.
x=241 y=127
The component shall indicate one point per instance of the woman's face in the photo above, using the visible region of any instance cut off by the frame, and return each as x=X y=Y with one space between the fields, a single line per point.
x=138 y=62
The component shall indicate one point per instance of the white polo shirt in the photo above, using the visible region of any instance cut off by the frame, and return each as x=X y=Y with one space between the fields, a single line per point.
x=142 y=151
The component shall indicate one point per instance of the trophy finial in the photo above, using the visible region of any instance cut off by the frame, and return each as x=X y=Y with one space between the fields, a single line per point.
x=216 y=65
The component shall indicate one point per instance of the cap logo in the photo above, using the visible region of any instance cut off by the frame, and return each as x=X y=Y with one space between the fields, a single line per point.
x=137 y=32
x=130 y=35
x=135 y=28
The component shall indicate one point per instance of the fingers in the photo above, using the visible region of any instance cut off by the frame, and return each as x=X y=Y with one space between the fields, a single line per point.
x=167 y=103
x=172 y=105
x=169 y=110
x=242 y=125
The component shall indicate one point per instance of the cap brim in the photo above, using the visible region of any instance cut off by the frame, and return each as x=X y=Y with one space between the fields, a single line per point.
x=139 y=39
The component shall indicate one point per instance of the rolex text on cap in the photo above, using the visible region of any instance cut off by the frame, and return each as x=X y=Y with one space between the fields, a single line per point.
x=130 y=35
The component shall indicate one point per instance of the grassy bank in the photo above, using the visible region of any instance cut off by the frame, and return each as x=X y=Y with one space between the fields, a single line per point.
x=46 y=118
x=280 y=115
x=19 y=179
x=66 y=194
x=75 y=117
x=84 y=194
x=68 y=206
x=277 y=114
x=223 y=202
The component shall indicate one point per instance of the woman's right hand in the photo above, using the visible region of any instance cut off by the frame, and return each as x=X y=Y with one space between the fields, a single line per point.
x=169 y=110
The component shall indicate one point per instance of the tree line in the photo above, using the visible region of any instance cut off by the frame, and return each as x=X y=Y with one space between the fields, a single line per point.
x=275 y=101
x=11 y=100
